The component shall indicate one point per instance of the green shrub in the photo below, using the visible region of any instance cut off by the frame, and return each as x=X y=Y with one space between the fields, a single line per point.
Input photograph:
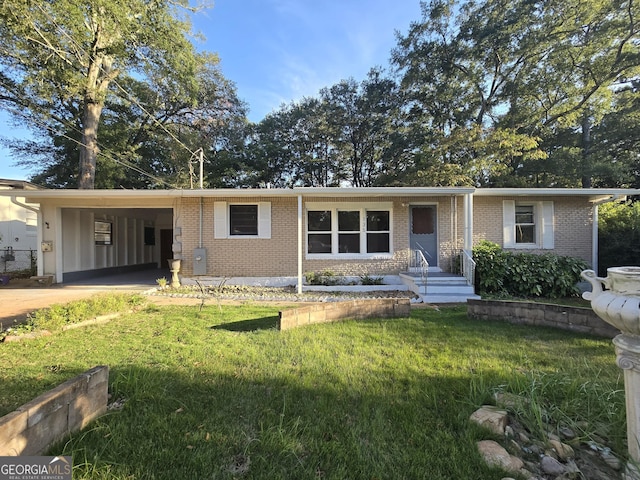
x=525 y=274
x=618 y=235
x=326 y=277
x=369 y=280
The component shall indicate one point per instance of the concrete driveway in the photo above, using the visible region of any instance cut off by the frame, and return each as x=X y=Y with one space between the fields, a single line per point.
x=18 y=299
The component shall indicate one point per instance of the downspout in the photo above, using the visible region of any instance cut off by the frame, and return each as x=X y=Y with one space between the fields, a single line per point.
x=594 y=228
x=38 y=212
x=201 y=187
x=300 y=244
x=201 y=220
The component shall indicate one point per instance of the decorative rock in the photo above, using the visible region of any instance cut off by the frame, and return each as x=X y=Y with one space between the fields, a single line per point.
x=567 y=433
x=553 y=436
x=523 y=437
x=491 y=417
x=551 y=466
x=610 y=459
x=496 y=456
x=509 y=400
x=564 y=451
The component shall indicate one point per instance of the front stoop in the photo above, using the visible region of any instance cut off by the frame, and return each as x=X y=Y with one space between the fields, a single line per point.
x=440 y=287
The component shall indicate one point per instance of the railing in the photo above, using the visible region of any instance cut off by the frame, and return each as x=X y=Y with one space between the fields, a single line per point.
x=419 y=263
x=468 y=266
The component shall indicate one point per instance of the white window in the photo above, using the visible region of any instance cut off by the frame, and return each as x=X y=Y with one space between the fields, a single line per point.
x=348 y=230
x=528 y=224
x=242 y=220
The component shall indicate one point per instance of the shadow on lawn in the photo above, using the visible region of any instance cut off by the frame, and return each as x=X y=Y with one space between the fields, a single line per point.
x=265 y=323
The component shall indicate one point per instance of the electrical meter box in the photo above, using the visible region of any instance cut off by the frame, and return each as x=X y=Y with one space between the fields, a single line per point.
x=200 y=261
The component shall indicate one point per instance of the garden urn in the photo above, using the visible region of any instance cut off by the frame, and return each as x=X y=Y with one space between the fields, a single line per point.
x=174 y=268
x=618 y=304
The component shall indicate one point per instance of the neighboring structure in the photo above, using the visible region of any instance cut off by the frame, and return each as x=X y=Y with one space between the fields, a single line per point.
x=284 y=233
x=18 y=227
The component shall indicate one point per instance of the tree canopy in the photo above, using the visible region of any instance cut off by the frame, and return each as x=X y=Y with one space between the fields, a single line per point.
x=491 y=93
x=70 y=69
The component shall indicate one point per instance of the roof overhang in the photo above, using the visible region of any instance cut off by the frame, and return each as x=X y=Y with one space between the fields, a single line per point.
x=107 y=196
x=594 y=194
x=145 y=198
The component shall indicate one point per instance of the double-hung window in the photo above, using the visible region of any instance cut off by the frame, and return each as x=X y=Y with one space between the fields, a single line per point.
x=525 y=224
x=528 y=224
x=348 y=230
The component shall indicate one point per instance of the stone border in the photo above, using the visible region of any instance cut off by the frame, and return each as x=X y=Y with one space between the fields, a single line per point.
x=574 y=319
x=50 y=417
x=333 y=312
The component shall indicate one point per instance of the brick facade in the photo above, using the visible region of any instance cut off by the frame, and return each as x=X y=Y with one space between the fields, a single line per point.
x=277 y=256
x=572 y=223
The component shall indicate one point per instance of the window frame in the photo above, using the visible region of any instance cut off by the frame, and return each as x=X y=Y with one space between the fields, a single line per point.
x=243 y=219
x=222 y=220
x=534 y=223
x=544 y=225
x=103 y=231
x=363 y=231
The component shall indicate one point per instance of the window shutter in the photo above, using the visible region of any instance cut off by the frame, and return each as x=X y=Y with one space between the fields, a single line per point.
x=508 y=223
x=264 y=220
x=547 y=225
x=220 y=228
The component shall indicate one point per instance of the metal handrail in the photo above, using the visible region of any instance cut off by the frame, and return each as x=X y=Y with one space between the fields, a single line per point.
x=468 y=266
x=418 y=261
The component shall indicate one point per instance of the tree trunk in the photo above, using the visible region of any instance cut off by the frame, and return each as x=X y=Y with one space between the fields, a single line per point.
x=89 y=148
x=586 y=152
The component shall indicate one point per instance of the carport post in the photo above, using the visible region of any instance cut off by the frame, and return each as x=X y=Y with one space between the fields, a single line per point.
x=300 y=244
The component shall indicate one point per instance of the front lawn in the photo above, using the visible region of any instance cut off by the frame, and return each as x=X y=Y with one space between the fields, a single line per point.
x=219 y=393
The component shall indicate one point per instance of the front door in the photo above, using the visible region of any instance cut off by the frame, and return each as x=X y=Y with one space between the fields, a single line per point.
x=423 y=234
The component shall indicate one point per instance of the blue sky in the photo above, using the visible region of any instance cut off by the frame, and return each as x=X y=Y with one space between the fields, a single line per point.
x=278 y=51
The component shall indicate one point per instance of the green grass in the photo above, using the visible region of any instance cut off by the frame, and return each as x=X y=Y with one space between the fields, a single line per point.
x=222 y=394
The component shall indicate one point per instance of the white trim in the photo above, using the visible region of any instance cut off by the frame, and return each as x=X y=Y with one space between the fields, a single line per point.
x=509 y=224
x=300 y=243
x=220 y=222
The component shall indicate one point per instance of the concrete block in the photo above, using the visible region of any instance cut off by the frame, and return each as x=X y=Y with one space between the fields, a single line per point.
x=32 y=428
x=11 y=427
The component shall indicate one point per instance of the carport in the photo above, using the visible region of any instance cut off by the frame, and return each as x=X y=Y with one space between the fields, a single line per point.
x=87 y=234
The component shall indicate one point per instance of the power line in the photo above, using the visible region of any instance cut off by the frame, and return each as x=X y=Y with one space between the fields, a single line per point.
x=102 y=147
x=128 y=96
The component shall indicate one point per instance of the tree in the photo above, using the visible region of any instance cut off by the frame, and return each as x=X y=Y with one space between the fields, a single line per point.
x=618 y=235
x=60 y=61
x=543 y=70
x=147 y=128
x=361 y=121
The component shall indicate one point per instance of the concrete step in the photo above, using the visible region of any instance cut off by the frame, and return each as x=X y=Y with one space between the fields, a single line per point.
x=439 y=287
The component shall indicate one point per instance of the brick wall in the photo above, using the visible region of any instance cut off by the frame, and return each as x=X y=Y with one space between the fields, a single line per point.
x=47 y=419
x=575 y=319
x=242 y=257
x=572 y=223
x=354 y=309
x=277 y=256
